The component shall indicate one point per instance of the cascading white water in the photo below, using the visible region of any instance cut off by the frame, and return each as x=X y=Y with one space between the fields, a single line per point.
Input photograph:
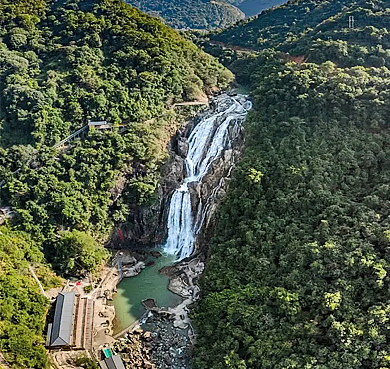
x=206 y=143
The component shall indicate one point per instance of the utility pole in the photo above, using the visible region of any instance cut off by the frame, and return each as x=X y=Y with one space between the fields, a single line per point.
x=351 y=21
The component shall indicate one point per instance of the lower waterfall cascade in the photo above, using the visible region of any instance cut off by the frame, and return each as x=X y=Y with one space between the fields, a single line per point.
x=208 y=139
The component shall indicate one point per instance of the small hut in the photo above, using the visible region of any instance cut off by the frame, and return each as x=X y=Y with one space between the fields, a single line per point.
x=100 y=124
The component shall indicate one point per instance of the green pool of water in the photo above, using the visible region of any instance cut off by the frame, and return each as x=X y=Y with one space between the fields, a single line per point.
x=148 y=284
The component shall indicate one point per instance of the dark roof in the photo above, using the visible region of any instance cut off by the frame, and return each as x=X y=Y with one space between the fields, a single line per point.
x=62 y=323
x=113 y=362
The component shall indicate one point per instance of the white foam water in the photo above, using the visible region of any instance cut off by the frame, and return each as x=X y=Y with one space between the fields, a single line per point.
x=206 y=142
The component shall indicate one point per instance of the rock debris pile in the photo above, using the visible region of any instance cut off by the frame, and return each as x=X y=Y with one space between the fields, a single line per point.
x=134 y=349
x=166 y=347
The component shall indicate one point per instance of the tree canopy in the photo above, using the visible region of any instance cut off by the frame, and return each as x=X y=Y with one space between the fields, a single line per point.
x=298 y=270
x=298 y=274
x=63 y=63
x=77 y=252
x=22 y=307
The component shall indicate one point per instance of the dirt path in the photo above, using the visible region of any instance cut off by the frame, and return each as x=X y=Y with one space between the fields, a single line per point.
x=3 y=362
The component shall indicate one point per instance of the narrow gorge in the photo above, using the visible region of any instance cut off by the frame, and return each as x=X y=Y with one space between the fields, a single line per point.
x=206 y=153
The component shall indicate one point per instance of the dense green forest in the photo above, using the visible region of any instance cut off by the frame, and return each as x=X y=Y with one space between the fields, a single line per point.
x=22 y=306
x=203 y=14
x=298 y=271
x=313 y=21
x=62 y=63
x=191 y=14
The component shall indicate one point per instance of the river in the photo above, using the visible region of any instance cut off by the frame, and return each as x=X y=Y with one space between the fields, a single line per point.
x=215 y=132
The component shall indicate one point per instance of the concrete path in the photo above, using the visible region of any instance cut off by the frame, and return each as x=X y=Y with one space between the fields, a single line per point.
x=36 y=278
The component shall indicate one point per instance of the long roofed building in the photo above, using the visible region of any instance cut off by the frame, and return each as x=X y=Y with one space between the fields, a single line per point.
x=73 y=322
x=59 y=332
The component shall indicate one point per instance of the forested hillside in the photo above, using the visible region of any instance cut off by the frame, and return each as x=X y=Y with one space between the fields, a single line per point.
x=191 y=14
x=311 y=20
x=203 y=14
x=298 y=271
x=62 y=63
x=22 y=306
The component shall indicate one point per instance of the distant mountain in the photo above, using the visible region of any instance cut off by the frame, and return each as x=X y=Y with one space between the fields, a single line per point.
x=254 y=7
x=193 y=14
x=203 y=14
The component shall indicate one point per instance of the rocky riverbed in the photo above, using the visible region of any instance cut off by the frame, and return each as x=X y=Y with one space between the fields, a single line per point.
x=165 y=336
x=170 y=347
x=159 y=346
x=134 y=349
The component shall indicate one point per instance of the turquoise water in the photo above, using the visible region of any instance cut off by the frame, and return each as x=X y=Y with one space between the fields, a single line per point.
x=148 y=284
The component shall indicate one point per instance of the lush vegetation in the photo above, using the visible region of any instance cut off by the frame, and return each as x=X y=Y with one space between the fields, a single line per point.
x=22 y=307
x=62 y=63
x=254 y=7
x=83 y=60
x=313 y=21
x=77 y=251
x=191 y=14
x=298 y=274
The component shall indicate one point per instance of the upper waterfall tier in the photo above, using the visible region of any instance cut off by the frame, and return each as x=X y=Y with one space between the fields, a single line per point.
x=213 y=134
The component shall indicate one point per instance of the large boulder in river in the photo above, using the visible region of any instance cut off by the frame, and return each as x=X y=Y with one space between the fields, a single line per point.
x=133 y=270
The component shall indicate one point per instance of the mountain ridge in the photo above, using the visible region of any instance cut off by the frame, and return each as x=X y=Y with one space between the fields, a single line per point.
x=201 y=14
x=298 y=269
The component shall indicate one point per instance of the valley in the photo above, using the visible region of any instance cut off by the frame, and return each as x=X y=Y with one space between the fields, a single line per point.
x=226 y=203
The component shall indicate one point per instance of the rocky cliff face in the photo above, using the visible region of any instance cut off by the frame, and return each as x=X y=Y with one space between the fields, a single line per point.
x=147 y=225
x=207 y=194
x=173 y=336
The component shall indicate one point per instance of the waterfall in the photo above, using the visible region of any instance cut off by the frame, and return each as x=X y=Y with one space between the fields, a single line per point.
x=207 y=140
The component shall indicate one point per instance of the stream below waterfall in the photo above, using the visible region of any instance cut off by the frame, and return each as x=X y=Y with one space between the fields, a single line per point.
x=215 y=131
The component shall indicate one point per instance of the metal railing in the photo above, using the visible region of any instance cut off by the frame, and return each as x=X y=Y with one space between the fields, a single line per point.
x=71 y=137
